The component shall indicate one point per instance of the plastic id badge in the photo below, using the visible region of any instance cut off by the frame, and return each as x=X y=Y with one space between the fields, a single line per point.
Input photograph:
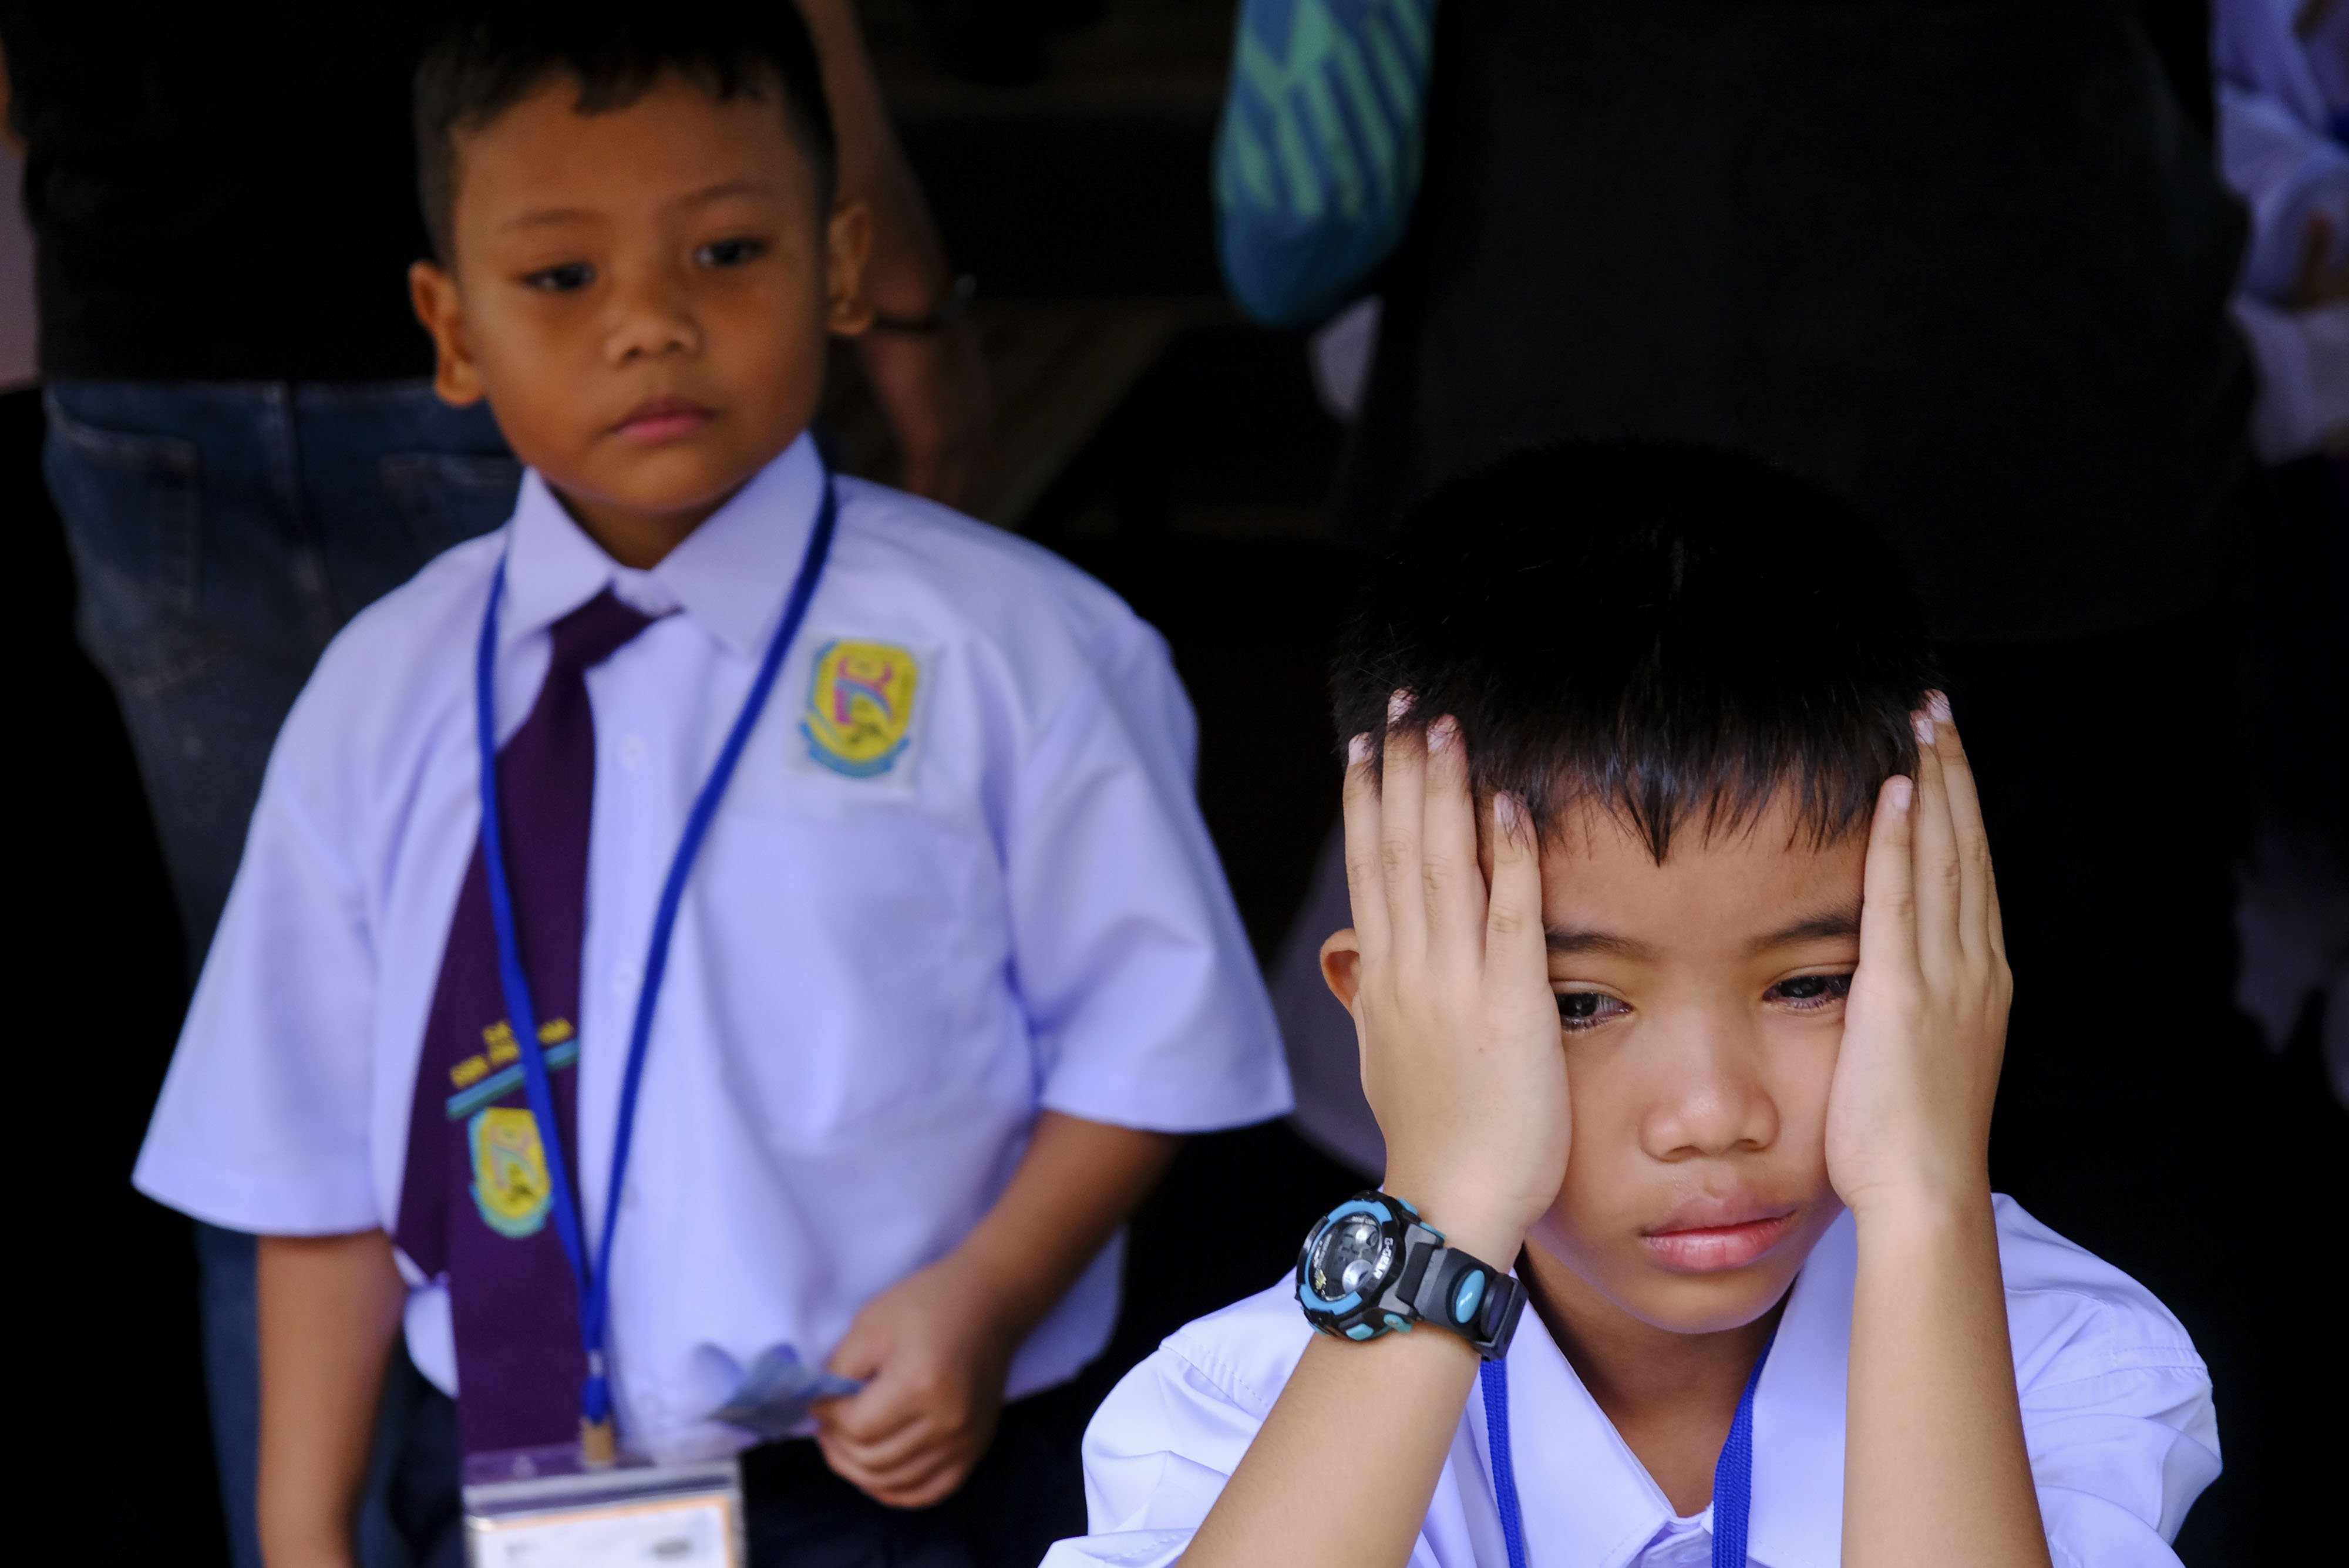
x=623 y=1516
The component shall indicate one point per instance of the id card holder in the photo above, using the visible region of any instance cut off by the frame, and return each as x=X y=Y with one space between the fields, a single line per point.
x=544 y=1509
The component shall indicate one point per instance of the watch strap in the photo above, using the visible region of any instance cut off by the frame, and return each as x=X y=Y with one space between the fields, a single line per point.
x=1442 y=1284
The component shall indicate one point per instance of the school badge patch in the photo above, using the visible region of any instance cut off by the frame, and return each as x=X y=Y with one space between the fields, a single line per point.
x=510 y=1186
x=861 y=706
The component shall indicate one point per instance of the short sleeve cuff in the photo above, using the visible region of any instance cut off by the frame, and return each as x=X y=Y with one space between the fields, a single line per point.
x=265 y=1206
x=1118 y=1096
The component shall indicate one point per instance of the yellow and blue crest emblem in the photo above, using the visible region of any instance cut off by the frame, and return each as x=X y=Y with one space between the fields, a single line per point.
x=859 y=717
x=510 y=1185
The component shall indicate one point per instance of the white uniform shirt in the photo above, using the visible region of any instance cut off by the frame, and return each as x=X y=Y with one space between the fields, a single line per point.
x=875 y=983
x=2115 y=1409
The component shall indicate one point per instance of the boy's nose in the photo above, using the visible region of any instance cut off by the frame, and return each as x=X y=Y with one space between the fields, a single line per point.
x=651 y=321
x=1708 y=1099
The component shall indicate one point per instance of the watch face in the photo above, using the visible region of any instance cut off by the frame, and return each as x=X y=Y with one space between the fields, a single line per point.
x=1352 y=1255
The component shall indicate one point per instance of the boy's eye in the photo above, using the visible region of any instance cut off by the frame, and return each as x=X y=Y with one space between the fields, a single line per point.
x=729 y=252
x=567 y=278
x=1810 y=990
x=1589 y=1009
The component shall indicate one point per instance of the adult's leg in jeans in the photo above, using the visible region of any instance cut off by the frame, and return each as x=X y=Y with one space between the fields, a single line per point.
x=2105 y=781
x=391 y=476
x=209 y=584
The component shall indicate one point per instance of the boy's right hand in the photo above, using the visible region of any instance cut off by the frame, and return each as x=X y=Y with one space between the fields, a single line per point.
x=1447 y=974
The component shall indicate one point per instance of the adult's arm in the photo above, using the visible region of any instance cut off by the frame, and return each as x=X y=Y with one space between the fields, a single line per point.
x=9 y=132
x=932 y=383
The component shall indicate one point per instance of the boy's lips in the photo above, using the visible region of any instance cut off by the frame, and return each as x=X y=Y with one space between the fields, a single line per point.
x=1706 y=1235
x=658 y=419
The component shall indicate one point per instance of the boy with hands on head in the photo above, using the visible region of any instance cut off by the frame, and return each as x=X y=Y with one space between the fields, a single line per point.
x=1677 y=972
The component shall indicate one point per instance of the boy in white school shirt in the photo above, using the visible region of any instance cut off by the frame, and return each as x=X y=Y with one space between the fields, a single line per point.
x=949 y=967
x=1679 y=981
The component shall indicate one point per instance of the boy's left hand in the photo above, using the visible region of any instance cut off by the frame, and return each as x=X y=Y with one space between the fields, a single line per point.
x=933 y=1352
x=1925 y=1029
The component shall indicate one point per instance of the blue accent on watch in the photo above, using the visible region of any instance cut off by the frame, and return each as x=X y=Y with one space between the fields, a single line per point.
x=1417 y=1277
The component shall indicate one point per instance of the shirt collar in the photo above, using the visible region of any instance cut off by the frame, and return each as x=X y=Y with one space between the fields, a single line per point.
x=729 y=576
x=1586 y=1500
x=1611 y=1509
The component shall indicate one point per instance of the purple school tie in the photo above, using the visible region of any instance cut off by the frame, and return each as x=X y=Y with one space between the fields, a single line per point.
x=475 y=1201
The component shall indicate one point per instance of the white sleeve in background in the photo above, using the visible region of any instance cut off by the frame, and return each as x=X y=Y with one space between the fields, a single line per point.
x=2303 y=368
x=2289 y=173
x=1136 y=975
x=264 y=1123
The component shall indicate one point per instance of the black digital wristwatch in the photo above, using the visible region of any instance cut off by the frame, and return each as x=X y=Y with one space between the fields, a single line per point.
x=1373 y=1265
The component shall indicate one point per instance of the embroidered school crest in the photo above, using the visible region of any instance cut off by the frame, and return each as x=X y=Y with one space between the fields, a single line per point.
x=859 y=717
x=510 y=1186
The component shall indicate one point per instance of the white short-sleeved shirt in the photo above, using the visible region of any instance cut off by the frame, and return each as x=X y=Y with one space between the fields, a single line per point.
x=2115 y=1409
x=880 y=974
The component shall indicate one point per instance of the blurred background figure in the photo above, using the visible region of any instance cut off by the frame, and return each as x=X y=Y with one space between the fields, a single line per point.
x=240 y=434
x=2283 y=142
x=1970 y=265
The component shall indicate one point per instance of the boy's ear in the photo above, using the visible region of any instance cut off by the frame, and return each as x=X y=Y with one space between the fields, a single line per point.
x=847 y=247
x=434 y=294
x=1341 y=966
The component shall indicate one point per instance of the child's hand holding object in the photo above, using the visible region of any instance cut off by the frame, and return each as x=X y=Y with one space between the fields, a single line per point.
x=932 y=1358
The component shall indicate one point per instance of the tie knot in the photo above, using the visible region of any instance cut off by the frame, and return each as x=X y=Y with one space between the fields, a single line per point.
x=594 y=632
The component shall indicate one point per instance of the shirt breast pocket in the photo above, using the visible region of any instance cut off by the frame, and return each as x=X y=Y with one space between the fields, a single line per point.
x=863 y=984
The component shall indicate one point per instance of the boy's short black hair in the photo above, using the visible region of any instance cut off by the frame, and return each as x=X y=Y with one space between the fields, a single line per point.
x=616 y=50
x=1674 y=633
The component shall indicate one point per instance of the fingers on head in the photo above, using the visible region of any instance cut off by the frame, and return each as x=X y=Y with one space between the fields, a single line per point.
x=1455 y=888
x=1446 y=760
x=1888 y=925
x=1514 y=916
x=1403 y=772
x=1981 y=890
x=1365 y=882
x=1403 y=792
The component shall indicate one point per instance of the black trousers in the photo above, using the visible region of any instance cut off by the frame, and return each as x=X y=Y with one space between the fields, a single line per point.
x=2135 y=1113
x=1026 y=1493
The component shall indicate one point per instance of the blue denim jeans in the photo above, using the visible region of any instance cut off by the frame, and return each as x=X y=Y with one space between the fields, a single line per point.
x=222 y=533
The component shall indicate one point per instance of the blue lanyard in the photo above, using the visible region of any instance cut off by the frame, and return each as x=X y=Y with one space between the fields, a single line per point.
x=1733 y=1476
x=595 y=1283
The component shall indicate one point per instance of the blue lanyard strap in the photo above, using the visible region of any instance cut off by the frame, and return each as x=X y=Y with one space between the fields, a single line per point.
x=596 y=1281
x=1733 y=1476
x=1495 y=1379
